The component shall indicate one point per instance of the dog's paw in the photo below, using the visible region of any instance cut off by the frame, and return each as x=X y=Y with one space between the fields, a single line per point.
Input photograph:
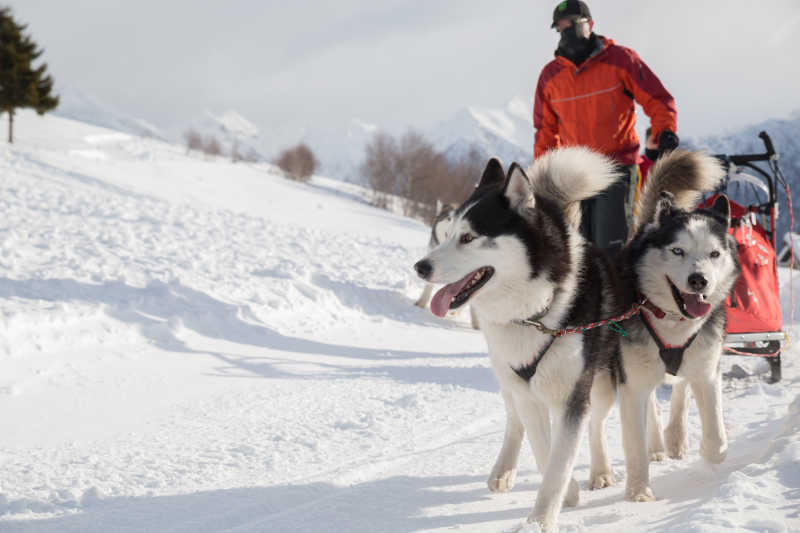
x=573 y=496
x=656 y=448
x=676 y=443
x=657 y=457
x=601 y=480
x=421 y=304
x=714 y=453
x=538 y=525
x=640 y=494
x=502 y=481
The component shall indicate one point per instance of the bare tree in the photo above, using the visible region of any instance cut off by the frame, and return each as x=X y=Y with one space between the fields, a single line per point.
x=380 y=167
x=251 y=156
x=212 y=147
x=193 y=140
x=417 y=174
x=461 y=178
x=235 y=155
x=298 y=162
x=419 y=167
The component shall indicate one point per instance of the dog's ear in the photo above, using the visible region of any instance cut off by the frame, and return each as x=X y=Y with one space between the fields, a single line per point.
x=493 y=174
x=664 y=207
x=722 y=207
x=518 y=188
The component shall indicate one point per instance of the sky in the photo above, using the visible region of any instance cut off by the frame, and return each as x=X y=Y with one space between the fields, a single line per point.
x=295 y=66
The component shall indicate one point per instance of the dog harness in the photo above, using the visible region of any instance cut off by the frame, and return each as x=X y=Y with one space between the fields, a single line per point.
x=671 y=355
x=526 y=372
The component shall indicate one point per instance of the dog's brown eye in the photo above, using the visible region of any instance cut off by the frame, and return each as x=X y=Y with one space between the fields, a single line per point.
x=714 y=254
x=466 y=238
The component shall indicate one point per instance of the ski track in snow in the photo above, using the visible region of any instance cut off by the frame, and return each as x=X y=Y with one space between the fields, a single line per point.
x=190 y=345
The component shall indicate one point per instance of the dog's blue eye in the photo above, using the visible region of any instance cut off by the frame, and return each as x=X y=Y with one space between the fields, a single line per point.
x=677 y=251
x=466 y=238
x=714 y=254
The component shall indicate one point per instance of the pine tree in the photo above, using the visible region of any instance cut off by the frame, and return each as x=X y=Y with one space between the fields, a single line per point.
x=21 y=85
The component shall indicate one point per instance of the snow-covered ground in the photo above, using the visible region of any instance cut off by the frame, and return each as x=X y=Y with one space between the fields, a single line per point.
x=192 y=345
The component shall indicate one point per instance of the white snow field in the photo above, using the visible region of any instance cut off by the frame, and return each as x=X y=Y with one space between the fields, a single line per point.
x=191 y=346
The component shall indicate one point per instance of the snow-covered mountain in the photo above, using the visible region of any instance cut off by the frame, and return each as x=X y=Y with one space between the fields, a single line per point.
x=340 y=151
x=785 y=135
x=231 y=129
x=506 y=133
x=84 y=107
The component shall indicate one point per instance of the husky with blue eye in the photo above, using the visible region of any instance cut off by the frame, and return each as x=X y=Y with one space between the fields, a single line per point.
x=684 y=262
x=517 y=256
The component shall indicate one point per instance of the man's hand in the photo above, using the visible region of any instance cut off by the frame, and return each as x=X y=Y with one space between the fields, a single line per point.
x=667 y=141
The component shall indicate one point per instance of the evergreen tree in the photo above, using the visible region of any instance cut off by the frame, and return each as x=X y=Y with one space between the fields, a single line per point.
x=21 y=85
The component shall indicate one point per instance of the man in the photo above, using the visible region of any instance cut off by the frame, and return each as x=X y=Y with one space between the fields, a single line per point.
x=585 y=96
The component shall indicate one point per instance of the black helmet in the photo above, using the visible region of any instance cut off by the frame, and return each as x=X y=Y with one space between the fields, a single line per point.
x=570 y=8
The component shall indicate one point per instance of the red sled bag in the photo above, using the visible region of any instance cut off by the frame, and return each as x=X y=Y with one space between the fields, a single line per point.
x=754 y=306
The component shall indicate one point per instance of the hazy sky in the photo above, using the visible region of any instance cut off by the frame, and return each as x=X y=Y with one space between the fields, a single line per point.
x=290 y=64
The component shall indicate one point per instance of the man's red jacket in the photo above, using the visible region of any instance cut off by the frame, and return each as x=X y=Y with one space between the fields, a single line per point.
x=593 y=105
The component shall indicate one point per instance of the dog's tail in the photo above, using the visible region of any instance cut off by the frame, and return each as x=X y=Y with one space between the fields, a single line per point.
x=569 y=175
x=682 y=173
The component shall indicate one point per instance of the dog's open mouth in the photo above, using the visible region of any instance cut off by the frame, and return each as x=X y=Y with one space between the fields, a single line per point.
x=456 y=294
x=691 y=304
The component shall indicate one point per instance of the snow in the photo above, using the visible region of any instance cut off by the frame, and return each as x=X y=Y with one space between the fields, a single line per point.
x=505 y=132
x=234 y=124
x=195 y=345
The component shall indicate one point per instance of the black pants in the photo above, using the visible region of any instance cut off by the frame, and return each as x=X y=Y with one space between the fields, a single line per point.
x=605 y=218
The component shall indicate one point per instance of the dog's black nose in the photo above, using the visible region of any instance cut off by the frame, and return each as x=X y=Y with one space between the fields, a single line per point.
x=424 y=268
x=697 y=282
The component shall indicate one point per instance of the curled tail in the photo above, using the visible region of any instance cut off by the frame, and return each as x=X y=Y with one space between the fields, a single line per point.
x=684 y=174
x=569 y=175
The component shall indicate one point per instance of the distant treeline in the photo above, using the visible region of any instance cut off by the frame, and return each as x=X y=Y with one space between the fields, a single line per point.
x=411 y=172
x=210 y=146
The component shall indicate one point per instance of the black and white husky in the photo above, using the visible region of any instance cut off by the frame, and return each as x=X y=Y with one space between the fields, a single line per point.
x=684 y=262
x=517 y=256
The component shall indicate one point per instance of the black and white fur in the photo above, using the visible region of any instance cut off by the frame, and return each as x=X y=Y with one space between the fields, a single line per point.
x=685 y=263
x=442 y=223
x=516 y=252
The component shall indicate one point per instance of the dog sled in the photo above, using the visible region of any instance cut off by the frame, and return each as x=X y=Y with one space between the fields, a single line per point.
x=755 y=319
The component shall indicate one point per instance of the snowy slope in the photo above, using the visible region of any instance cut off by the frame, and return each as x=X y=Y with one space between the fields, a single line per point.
x=191 y=345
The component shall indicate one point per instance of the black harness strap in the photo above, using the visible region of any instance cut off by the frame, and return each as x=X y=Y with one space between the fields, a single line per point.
x=671 y=355
x=527 y=371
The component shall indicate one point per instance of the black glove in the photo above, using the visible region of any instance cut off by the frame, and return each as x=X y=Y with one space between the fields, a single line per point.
x=667 y=141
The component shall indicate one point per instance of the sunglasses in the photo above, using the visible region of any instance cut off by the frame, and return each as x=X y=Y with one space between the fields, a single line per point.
x=572 y=21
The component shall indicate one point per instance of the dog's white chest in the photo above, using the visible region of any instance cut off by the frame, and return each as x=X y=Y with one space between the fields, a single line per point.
x=557 y=370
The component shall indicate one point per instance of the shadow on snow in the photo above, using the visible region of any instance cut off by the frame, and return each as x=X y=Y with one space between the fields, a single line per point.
x=391 y=505
x=160 y=308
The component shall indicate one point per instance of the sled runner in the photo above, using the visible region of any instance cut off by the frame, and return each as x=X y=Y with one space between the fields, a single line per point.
x=755 y=321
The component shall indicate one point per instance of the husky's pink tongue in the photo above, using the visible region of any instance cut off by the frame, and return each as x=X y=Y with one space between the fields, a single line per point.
x=440 y=303
x=695 y=306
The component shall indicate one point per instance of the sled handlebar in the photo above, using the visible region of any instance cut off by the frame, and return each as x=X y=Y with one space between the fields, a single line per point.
x=749 y=158
x=767 y=142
